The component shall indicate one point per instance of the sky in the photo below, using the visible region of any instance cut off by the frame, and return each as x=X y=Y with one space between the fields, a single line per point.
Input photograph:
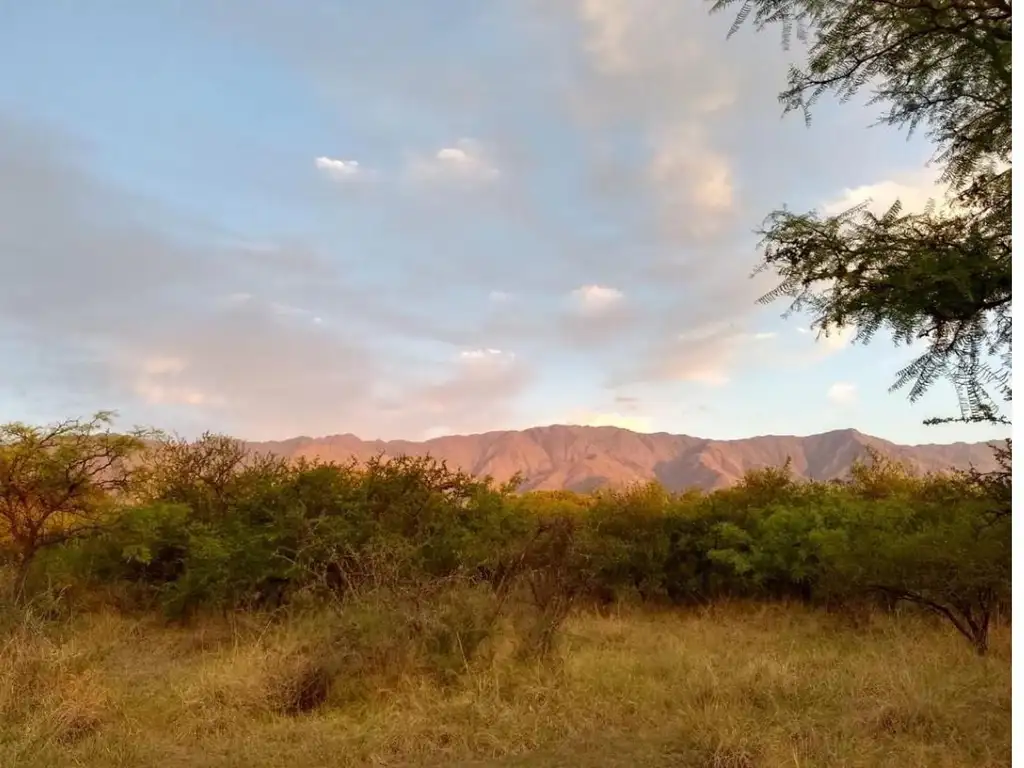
x=400 y=220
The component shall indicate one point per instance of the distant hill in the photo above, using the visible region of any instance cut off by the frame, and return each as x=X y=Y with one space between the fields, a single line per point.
x=587 y=458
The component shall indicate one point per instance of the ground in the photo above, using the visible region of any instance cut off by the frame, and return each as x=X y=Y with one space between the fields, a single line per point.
x=756 y=686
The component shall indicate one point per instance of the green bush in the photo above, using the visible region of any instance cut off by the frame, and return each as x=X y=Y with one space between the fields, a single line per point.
x=209 y=525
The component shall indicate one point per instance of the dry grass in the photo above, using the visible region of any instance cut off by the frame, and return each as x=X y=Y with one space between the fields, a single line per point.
x=737 y=687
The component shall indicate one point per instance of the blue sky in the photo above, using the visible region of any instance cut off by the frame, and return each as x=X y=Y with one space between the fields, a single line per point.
x=405 y=219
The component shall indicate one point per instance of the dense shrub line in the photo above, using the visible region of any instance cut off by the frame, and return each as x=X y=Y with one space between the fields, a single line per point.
x=205 y=524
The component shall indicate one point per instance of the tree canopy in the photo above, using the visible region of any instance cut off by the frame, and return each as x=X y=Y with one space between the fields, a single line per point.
x=942 y=276
x=60 y=482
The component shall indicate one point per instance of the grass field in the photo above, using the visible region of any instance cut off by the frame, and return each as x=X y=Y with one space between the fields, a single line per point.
x=734 y=686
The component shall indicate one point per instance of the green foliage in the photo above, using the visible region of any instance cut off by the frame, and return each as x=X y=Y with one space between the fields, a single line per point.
x=942 y=276
x=216 y=525
x=206 y=524
x=942 y=550
x=60 y=482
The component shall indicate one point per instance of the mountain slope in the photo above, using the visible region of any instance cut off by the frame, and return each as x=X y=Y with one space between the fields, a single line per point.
x=585 y=458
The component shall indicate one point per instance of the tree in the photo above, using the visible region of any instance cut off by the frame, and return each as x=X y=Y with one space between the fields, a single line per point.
x=211 y=475
x=946 y=554
x=58 y=483
x=943 y=276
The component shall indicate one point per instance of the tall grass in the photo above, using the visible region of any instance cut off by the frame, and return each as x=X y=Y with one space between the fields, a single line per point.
x=389 y=683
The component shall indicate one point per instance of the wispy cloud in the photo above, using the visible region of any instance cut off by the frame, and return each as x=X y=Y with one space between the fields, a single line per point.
x=595 y=299
x=842 y=393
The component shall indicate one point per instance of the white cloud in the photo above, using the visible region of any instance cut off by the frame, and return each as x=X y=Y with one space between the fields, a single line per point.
x=695 y=181
x=159 y=382
x=156 y=394
x=484 y=354
x=829 y=341
x=705 y=354
x=476 y=389
x=842 y=393
x=645 y=39
x=648 y=65
x=609 y=23
x=468 y=160
x=837 y=339
x=914 y=190
x=486 y=362
x=453 y=155
x=499 y=297
x=289 y=310
x=338 y=169
x=595 y=299
x=157 y=366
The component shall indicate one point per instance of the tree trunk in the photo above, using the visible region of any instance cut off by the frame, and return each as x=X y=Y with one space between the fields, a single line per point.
x=21 y=572
x=981 y=639
x=971 y=625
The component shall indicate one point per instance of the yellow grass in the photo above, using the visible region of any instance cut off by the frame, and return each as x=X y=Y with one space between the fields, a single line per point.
x=736 y=686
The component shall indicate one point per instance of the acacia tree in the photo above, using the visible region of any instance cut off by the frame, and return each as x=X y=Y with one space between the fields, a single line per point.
x=943 y=275
x=58 y=483
x=206 y=474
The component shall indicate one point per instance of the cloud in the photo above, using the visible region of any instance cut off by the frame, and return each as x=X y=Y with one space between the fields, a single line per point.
x=591 y=318
x=831 y=340
x=466 y=161
x=154 y=390
x=158 y=383
x=658 y=96
x=703 y=355
x=621 y=148
x=477 y=388
x=914 y=190
x=647 y=63
x=842 y=393
x=645 y=39
x=339 y=170
x=837 y=339
x=618 y=142
x=609 y=24
x=486 y=361
x=706 y=354
x=595 y=299
x=268 y=342
x=257 y=366
x=694 y=181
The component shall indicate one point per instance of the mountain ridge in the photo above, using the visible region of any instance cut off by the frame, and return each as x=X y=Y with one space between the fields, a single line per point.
x=583 y=458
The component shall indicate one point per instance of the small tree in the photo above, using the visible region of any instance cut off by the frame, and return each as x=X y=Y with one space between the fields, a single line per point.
x=941 y=549
x=210 y=474
x=60 y=482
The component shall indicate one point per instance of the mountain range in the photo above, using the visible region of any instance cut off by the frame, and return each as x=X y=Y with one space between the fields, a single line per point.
x=586 y=458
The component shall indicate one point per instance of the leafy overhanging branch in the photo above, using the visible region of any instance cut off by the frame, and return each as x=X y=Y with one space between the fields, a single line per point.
x=939 y=276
